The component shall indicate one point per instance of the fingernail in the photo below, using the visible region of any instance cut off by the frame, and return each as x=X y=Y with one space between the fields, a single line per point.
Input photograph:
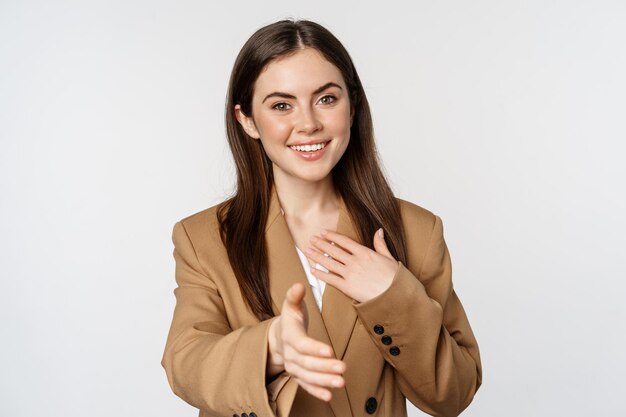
x=337 y=368
x=381 y=233
x=337 y=382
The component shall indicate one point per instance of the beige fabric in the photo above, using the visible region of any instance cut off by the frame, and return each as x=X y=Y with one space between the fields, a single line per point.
x=216 y=350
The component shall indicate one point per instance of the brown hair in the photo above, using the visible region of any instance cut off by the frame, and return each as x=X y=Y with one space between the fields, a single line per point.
x=357 y=176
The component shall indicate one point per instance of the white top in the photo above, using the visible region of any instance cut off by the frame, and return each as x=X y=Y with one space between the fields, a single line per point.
x=317 y=285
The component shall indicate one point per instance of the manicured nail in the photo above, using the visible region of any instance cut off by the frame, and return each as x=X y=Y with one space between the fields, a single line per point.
x=381 y=233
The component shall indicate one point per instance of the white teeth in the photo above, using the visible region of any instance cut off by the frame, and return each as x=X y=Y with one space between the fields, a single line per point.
x=308 y=148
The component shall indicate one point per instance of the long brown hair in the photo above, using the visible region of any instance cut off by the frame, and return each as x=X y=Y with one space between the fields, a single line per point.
x=357 y=176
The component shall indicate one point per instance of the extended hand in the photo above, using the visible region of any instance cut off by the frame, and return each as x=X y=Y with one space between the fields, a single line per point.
x=310 y=362
x=354 y=269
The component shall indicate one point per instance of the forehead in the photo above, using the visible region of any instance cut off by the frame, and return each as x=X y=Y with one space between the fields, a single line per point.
x=300 y=73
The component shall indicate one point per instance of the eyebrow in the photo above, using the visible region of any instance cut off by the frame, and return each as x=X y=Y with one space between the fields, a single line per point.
x=286 y=95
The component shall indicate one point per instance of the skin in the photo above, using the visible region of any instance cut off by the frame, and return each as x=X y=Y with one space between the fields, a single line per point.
x=311 y=206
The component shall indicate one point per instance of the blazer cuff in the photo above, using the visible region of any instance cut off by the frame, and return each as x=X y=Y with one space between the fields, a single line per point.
x=384 y=315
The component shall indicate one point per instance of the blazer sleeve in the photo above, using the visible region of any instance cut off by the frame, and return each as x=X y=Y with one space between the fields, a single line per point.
x=431 y=345
x=209 y=365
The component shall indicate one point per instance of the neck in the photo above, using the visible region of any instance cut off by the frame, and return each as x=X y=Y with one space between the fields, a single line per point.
x=306 y=200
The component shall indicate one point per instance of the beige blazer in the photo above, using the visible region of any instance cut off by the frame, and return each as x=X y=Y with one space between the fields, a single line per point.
x=412 y=342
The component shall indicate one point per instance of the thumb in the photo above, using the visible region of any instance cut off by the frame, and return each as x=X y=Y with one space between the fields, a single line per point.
x=380 y=245
x=294 y=300
x=295 y=294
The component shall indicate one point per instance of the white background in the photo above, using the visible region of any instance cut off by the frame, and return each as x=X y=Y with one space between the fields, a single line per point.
x=505 y=118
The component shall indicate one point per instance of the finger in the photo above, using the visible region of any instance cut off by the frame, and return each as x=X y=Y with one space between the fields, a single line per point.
x=318 y=364
x=343 y=240
x=295 y=294
x=380 y=245
x=326 y=261
x=319 y=392
x=319 y=379
x=330 y=278
x=335 y=251
x=294 y=304
x=305 y=345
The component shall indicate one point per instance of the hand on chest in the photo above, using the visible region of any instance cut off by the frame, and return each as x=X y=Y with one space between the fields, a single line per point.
x=302 y=231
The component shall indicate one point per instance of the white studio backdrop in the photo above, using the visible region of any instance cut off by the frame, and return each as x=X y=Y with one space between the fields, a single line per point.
x=505 y=118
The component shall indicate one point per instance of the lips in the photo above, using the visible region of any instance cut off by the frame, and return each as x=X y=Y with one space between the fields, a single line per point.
x=310 y=142
x=310 y=156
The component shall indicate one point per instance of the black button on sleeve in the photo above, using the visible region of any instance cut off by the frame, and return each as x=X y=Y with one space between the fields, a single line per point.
x=244 y=415
x=394 y=350
x=252 y=415
x=370 y=405
x=378 y=329
x=235 y=415
x=386 y=340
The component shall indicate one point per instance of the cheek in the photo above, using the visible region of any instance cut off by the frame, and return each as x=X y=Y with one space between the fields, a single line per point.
x=274 y=129
x=339 y=121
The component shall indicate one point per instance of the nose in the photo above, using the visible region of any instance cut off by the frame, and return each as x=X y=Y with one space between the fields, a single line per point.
x=308 y=121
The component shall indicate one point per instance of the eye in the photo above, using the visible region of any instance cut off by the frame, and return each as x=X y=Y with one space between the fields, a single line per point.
x=276 y=106
x=282 y=106
x=329 y=96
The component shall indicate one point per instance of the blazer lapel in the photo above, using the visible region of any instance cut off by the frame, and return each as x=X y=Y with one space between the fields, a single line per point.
x=285 y=269
x=335 y=324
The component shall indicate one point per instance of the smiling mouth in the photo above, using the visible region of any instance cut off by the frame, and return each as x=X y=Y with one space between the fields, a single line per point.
x=310 y=148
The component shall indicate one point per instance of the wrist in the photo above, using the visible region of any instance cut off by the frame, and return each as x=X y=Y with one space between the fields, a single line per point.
x=274 y=362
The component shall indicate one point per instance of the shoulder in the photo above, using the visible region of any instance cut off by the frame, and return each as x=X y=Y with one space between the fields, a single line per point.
x=416 y=217
x=201 y=218
x=423 y=231
x=202 y=227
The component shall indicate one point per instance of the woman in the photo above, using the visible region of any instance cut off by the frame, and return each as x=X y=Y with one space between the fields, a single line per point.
x=379 y=323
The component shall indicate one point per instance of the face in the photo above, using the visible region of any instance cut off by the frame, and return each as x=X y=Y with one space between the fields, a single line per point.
x=297 y=99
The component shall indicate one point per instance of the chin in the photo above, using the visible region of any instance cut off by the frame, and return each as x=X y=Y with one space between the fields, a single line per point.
x=314 y=178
